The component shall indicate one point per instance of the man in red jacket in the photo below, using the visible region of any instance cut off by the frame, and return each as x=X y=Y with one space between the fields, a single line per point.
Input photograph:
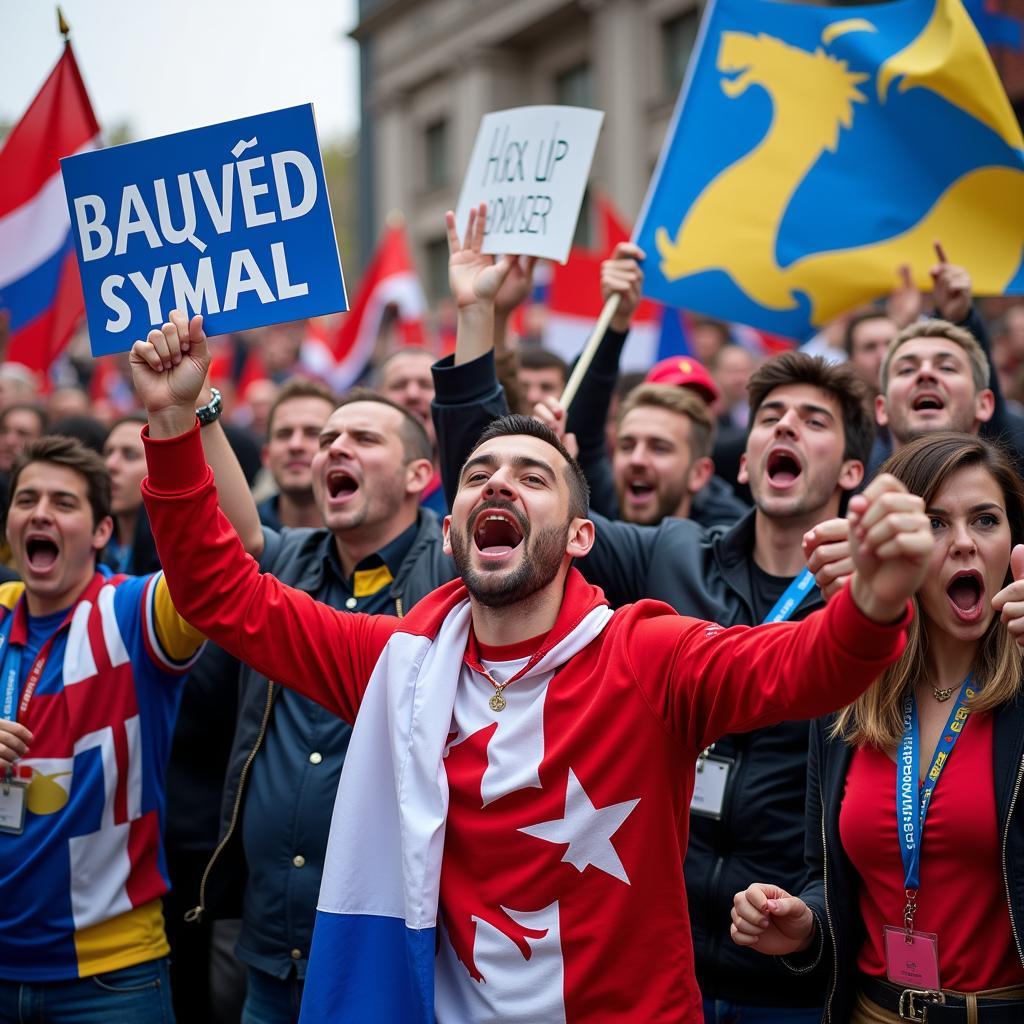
x=523 y=759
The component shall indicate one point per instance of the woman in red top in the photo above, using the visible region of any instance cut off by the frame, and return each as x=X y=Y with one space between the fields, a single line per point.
x=915 y=844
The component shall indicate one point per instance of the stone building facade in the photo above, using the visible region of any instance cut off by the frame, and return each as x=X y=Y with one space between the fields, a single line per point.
x=431 y=68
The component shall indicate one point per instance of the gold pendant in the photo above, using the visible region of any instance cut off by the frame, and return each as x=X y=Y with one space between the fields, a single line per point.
x=497 y=702
x=942 y=695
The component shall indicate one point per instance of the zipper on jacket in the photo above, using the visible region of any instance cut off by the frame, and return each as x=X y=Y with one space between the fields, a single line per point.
x=196 y=913
x=1006 y=876
x=828 y=914
x=398 y=608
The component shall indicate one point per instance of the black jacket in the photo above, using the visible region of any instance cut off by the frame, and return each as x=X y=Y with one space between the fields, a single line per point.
x=834 y=905
x=715 y=504
x=706 y=574
x=293 y=556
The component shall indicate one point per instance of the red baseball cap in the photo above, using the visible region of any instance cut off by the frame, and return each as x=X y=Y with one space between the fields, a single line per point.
x=684 y=372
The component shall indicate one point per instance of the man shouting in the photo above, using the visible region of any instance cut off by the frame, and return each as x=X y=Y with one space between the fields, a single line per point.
x=523 y=757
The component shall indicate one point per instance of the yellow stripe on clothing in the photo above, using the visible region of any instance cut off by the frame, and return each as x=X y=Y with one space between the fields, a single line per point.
x=123 y=941
x=176 y=637
x=9 y=594
x=366 y=582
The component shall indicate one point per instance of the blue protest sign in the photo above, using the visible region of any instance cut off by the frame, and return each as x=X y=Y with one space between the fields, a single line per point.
x=232 y=221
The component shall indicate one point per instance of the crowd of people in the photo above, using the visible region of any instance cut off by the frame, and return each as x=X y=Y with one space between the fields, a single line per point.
x=643 y=704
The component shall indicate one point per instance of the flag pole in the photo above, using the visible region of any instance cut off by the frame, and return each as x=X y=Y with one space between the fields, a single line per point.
x=62 y=26
x=611 y=307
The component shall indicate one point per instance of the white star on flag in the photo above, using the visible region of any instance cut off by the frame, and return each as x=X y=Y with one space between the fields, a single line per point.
x=587 y=829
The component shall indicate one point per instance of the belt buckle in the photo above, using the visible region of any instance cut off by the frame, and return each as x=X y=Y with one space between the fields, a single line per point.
x=908 y=1008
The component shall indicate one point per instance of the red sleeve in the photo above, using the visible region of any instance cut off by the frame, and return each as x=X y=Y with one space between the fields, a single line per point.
x=284 y=633
x=705 y=681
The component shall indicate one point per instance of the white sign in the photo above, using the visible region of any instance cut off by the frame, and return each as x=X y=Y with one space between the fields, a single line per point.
x=530 y=166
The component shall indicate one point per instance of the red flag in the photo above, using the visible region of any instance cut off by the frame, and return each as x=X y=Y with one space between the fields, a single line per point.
x=389 y=280
x=39 y=282
x=575 y=302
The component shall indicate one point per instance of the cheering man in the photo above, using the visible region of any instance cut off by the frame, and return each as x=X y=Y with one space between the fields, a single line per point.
x=523 y=757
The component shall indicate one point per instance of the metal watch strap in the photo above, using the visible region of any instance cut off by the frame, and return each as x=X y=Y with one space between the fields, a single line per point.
x=213 y=408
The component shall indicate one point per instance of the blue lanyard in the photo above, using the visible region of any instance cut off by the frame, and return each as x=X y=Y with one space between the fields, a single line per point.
x=912 y=800
x=790 y=600
x=10 y=660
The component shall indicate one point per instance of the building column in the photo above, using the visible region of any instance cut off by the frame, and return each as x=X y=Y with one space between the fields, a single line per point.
x=617 y=33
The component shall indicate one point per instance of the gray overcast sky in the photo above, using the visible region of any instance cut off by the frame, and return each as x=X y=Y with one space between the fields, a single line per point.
x=168 y=65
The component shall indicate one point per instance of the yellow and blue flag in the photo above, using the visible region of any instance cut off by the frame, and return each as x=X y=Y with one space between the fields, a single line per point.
x=815 y=150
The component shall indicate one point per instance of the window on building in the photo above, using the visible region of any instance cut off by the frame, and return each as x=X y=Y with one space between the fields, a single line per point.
x=436 y=262
x=435 y=155
x=678 y=35
x=573 y=88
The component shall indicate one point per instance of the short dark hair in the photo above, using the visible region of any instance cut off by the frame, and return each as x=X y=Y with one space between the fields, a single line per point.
x=415 y=441
x=535 y=357
x=836 y=379
x=627 y=381
x=508 y=426
x=856 y=320
x=300 y=387
x=44 y=420
x=84 y=428
x=58 y=450
x=129 y=417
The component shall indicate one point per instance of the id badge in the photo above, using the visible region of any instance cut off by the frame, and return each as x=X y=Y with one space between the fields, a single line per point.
x=913 y=964
x=709 y=784
x=12 y=806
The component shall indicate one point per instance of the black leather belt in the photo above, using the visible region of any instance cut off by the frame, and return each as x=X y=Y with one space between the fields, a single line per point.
x=939 y=1007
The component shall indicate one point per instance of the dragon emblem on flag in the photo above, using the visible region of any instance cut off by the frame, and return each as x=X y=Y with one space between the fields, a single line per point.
x=838 y=159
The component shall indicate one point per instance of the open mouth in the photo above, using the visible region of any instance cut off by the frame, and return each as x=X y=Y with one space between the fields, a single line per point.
x=341 y=484
x=965 y=592
x=640 y=488
x=497 y=533
x=783 y=468
x=927 y=402
x=41 y=553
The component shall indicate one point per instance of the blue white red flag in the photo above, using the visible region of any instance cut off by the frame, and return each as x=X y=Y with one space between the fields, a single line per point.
x=39 y=282
x=373 y=956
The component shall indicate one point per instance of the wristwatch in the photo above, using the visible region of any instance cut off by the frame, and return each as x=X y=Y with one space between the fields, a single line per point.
x=211 y=411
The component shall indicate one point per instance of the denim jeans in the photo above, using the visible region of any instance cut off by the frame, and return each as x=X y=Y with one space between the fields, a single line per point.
x=140 y=994
x=718 y=1012
x=270 y=1000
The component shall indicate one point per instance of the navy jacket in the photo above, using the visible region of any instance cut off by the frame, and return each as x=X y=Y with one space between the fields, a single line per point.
x=295 y=557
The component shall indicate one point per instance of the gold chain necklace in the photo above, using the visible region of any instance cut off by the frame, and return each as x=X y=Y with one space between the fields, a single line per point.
x=943 y=695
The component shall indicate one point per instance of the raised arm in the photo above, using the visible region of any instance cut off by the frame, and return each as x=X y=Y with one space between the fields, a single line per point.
x=512 y=293
x=707 y=682
x=467 y=394
x=283 y=633
x=620 y=275
x=233 y=492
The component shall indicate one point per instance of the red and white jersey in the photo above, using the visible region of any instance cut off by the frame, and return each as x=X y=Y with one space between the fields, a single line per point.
x=561 y=890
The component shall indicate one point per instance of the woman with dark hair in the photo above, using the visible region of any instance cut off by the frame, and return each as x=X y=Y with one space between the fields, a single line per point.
x=914 y=841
